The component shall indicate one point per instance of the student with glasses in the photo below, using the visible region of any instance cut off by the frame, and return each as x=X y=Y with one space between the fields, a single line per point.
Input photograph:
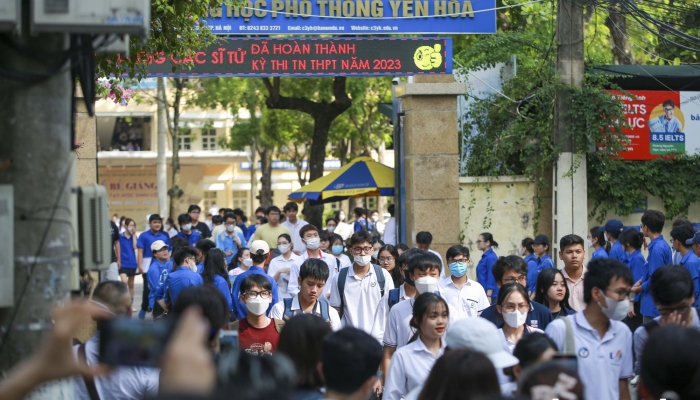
x=513 y=305
x=257 y=334
x=602 y=343
x=467 y=296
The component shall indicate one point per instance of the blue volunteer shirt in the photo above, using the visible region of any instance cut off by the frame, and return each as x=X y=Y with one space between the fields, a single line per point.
x=543 y=262
x=538 y=317
x=636 y=264
x=181 y=279
x=691 y=262
x=239 y=309
x=162 y=292
x=127 y=252
x=147 y=238
x=251 y=231
x=156 y=276
x=659 y=255
x=600 y=253
x=192 y=238
x=222 y=284
x=484 y=274
x=362 y=223
x=531 y=261
x=617 y=252
x=244 y=228
x=200 y=268
x=226 y=244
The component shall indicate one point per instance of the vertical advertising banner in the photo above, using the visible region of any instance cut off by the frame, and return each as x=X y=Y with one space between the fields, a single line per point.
x=661 y=122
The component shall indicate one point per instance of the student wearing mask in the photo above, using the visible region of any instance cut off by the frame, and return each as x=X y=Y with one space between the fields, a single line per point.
x=144 y=255
x=540 y=246
x=257 y=334
x=170 y=228
x=194 y=211
x=184 y=275
x=230 y=240
x=215 y=274
x=258 y=253
x=596 y=240
x=126 y=258
x=412 y=363
x=513 y=269
x=337 y=248
x=217 y=223
x=682 y=237
x=658 y=256
x=270 y=231
x=573 y=253
x=602 y=343
x=361 y=220
x=157 y=275
x=553 y=292
x=241 y=264
x=343 y=229
x=331 y=224
x=486 y=244
x=186 y=231
x=632 y=241
x=389 y=236
x=202 y=249
x=313 y=275
x=513 y=305
x=355 y=292
x=294 y=224
x=613 y=228
x=466 y=296
x=674 y=294
x=281 y=266
x=311 y=240
x=423 y=241
x=377 y=222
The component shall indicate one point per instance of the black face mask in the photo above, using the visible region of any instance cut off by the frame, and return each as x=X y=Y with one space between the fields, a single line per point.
x=408 y=279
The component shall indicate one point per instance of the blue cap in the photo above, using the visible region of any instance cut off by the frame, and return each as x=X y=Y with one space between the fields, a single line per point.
x=613 y=225
x=542 y=239
x=694 y=240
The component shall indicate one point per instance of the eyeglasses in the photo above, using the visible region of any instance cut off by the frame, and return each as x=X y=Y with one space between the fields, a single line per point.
x=383 y=260
x=521 y=280
x=366 y=250
x=680 y=310
x=509 y=308
x=668 y=109
x=251 y=294
x=452 y=260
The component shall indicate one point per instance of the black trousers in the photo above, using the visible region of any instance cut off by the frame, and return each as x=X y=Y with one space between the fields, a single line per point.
x=637 y=321
x=146 y=292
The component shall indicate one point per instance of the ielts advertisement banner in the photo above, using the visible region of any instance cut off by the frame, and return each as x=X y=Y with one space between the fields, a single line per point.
x=661 y=122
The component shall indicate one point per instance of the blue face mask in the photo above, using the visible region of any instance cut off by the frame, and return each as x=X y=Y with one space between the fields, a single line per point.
x=337 y=249
x=458 y=268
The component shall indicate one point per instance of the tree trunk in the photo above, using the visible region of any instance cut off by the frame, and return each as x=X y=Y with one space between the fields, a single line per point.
x=175 y=191
x=266 y=179
x=617 y=24
x=253 y=176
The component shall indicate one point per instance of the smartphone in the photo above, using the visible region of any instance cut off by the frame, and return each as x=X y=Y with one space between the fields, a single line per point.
x=569 y=360
x=228 y=340
x=133 y=342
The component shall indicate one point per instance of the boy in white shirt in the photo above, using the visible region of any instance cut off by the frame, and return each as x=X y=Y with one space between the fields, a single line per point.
x=468 y=297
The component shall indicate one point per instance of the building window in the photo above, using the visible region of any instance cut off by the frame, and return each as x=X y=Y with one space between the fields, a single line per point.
x=184 y=142
x=371 y=204
x=240 y=199
x=209 y=200
x=208 y=139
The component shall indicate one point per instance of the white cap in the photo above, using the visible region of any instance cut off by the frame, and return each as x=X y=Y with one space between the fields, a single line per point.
x=259 y=247
x=157 y=245
x=481 y=335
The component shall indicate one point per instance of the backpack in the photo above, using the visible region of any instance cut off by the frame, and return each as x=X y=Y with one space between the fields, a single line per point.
x=288 y=313
x=343 y=276
x=394 y=297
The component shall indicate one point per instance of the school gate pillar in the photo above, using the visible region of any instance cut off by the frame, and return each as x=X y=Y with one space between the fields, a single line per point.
x=431 y=158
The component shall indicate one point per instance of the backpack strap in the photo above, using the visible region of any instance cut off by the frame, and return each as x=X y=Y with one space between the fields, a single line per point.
x=325 y=314
x=380 y=277
x=394 y=297
x=342 y=277
x=569 y=344
x=287 y=309
x=337 y=264
x=89 y=381
x=279 y=324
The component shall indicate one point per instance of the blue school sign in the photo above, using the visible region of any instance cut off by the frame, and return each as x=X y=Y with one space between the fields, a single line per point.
x=354 y=17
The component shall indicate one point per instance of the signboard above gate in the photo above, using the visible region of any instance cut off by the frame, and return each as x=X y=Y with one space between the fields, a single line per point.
x=354 y=17
x=311 y=57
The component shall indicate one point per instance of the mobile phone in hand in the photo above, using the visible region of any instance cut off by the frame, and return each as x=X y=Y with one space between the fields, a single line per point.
x=569 y=360
x=228 y=340
x=133 y=342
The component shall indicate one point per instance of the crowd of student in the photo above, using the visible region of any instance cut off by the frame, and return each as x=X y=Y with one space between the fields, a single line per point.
x=361 y=319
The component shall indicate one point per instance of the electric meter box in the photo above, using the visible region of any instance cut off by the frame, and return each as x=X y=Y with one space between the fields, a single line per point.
x=92 y=16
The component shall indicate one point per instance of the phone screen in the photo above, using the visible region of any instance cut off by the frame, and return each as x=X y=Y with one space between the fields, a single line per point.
x=228 y=340
x=569 y=360
x=132 y=342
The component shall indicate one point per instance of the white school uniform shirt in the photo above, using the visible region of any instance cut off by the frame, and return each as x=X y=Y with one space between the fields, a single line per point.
x=294 y=233
x=344 y=261
x=409 y=368
x=601 y=363
x=277 y=264
x=383 y=313
x=329 y=259
x=277 y=312
x=362 y=297
x=469 y=301
x=398 y=330
x=509 y=345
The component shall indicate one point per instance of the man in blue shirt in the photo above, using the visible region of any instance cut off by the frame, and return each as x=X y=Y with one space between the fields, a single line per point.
x=186 y=231
x=682 y=236
x=541 y=248
x=361 y=220
x=156 y=275
x=143 y=244
x=183 y=276
x=511 y=269
x=258 y=252
x=231 y=239
x=613 y=228
x=659 y=255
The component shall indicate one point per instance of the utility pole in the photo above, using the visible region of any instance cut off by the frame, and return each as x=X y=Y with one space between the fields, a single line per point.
x=36 y=153
x=162 y=167
x=570 y=213
x=253 y=179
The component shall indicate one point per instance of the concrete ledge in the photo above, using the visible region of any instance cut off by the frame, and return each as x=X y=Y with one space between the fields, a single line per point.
x=494 y=179
x=431 y=89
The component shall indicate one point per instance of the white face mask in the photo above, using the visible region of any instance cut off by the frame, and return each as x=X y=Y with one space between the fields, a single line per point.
x=313 y=243
x=193 y=268
x=248 y=262
x=341 y=217
x=607 y=238
x=375 y=218
x=257 y=306
x=330 y=228
x=132 y=229
x=283 y=248
x=590 y=243
x=167 y=227
x=521 y=252
x=426 y=284
x=375 y=255
x=230 y=228
x=515 y=319
x=616 y=310
x=186 y=227
x=362 y=260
